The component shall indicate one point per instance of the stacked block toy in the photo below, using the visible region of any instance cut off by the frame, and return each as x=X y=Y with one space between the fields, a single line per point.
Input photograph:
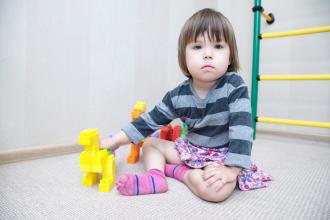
x=139 y=109
x=95 y=161
x=170 y=133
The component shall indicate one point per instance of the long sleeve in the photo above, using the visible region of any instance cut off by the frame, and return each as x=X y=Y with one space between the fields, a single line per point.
x=240 y=126
x=146 y=124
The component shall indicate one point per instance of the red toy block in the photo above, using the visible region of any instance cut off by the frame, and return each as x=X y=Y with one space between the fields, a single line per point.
x=166 y=133
x=176 y=132
x=169 y=133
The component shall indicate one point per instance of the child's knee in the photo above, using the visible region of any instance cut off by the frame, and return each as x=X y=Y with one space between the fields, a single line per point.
x=204 y=191
x=212 y=196
x=148 y=143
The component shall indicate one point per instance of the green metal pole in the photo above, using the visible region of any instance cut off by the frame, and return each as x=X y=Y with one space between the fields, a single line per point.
x=255 y=66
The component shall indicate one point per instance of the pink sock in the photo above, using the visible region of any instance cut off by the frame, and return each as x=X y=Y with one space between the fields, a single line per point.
x=176 y=171
x=153 y=181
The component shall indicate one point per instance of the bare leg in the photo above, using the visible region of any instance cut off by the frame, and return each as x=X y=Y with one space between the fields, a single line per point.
x=156 y=152
x=194 y=180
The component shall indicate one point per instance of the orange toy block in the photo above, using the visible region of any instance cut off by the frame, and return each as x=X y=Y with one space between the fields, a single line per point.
x=139 y=109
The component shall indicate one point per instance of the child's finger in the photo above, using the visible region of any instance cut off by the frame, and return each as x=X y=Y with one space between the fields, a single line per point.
x=216 y=176
x=104 y=143
x=219 y=185
x=206 y=175
x=212 y=180
x=209 y=173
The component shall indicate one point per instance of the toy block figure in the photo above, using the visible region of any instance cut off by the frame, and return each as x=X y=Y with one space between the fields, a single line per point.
x=169 y=133
x=139 y=109
x=95 y=161
x=177 y=130
x=166 y=133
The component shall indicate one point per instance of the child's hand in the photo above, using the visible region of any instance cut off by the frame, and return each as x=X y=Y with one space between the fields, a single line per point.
x=216 y=175
x=108 y=143
x=114 y=142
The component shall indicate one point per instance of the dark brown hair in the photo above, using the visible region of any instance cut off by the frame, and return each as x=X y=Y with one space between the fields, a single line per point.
x=217 y=27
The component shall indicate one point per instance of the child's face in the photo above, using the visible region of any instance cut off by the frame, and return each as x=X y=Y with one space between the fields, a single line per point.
x=207 y=60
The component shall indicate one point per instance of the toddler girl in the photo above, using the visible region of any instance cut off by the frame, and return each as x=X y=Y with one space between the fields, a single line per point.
x=214 y=104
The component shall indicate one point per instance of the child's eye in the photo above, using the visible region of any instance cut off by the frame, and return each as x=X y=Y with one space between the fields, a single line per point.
x=197 y=47
x=218 y=46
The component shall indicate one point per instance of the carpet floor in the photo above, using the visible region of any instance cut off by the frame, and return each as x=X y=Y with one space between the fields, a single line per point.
x=50 y=188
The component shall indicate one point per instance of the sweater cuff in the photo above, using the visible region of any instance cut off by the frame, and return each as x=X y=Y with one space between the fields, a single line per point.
x=132 y=133
x=238 y=160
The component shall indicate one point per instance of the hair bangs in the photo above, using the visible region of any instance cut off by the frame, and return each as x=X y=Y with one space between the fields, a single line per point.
x=210 y=25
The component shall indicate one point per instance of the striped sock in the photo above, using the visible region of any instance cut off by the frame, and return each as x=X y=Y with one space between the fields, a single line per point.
x=176 y=171
x=151 y=182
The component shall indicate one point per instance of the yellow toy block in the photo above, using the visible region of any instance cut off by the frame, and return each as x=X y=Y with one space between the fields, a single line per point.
x=108 y=170
x=141 y=106
x=95 y=161
x=90 y=179
x=139 y=109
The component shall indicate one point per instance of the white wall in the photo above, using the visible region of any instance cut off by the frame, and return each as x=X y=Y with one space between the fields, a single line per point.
x=69 y=65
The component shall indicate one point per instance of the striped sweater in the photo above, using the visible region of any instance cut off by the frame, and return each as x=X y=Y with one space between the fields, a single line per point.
x=221 y=119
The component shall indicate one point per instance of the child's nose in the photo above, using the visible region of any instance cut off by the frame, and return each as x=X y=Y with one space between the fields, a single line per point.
x=208 y=54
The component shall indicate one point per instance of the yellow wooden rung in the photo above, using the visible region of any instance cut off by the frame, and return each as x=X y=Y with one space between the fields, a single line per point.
x=296 y=32
x=295 y=77
x=294 y=122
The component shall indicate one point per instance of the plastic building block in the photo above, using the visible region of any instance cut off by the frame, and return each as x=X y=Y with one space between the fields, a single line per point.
x=166 y=133
x=184 y=131
x=139 y=109
x=95 y=161
x=108 y=171
x=169 y=133
x=176 y=132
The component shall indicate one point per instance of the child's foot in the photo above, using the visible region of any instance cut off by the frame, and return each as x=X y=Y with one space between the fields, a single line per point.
x=153 y=181
x=176 y=171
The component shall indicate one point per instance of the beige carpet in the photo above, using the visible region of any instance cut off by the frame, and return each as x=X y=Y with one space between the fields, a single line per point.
x=51 y=188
